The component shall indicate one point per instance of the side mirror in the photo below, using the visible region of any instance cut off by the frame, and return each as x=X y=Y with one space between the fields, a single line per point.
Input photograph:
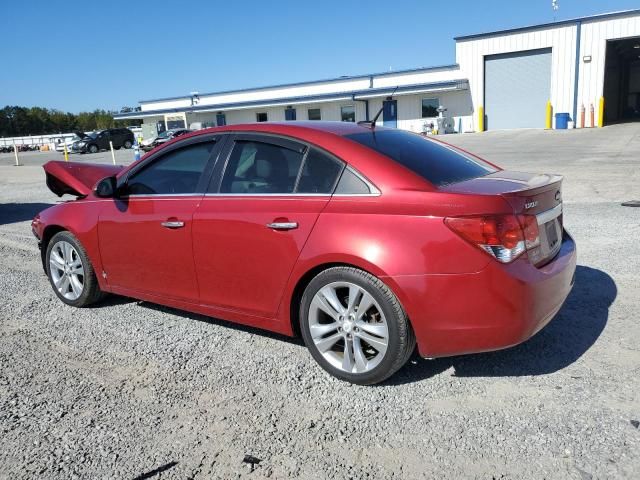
x=106 y=188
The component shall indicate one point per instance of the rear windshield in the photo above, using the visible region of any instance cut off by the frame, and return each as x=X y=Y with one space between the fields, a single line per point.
x=439 y=164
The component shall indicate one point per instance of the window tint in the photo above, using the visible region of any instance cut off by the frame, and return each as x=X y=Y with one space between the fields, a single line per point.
x=261 y=117
x=319 y=174
x=174 y=173
x=430 y=107
x=348 y=113
x=439 y=164
x=351 y=184
x=314 y=114
x=256 y=167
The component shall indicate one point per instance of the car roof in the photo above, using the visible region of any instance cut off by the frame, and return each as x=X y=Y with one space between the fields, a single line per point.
x=294 y=127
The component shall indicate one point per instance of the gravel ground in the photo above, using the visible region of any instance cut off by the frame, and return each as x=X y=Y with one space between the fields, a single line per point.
x=129 y=389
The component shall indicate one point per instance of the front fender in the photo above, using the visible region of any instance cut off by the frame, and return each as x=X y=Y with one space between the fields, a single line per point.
x=80 y=218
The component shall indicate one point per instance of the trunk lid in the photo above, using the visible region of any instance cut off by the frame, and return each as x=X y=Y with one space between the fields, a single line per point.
x=539 y=195
x=76 y=178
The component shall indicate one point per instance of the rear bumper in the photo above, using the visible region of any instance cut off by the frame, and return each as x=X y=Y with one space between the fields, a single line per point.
x=496 y=308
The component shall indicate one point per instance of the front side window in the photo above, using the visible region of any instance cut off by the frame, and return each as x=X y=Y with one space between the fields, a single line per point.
x=319 y=174
x=430 y=107
x=314 y=114
x=261 y=117
x=176 y=172
x=439 y=164
x=348 y=113
x=257 y=167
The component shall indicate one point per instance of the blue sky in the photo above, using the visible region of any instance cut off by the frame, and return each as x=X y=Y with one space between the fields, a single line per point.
x=81 y=55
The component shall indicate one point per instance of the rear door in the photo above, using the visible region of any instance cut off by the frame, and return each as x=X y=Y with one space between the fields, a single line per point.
x=252 y=225
x=145 y=235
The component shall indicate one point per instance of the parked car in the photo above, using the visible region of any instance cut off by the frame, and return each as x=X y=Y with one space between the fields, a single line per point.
x=77 y=137
x=163 y=137
x=94 y=142
x=365 y=240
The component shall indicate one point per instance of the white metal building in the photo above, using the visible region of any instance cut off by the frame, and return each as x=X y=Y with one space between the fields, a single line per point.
x=501 y=80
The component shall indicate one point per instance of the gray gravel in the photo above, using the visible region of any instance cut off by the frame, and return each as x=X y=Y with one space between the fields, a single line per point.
x=129 y=388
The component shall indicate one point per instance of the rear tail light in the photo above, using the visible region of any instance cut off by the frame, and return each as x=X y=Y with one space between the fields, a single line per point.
x=504 y=237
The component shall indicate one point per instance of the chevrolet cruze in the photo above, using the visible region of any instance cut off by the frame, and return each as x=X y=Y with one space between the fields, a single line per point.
x=366 y=241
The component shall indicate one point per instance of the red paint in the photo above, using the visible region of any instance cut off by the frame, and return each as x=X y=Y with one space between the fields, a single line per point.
x=226 y=263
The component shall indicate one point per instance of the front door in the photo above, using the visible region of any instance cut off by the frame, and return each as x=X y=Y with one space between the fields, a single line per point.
x=390 y=113
x=145 y=235
x=249 y=231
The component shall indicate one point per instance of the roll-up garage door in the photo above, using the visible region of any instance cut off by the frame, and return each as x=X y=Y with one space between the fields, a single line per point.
x=517 y=87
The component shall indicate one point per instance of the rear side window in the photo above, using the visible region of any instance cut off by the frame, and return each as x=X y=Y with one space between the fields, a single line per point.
x=319 y=173
x=176 y=172
x=439 y=164
x=351 y=184
x=257 y=167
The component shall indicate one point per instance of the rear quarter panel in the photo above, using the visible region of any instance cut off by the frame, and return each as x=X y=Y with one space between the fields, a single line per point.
x=399 y=233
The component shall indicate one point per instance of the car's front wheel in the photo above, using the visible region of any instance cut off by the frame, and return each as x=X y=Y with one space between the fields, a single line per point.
x=70 y=271
x=354 y=326
x=93 y=148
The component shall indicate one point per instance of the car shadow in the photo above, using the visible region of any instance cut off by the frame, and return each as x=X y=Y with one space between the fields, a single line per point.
x=224 y=323
x=564 y=340
x=20 y=212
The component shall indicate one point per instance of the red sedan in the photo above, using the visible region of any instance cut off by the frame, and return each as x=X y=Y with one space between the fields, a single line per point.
x=364 y=240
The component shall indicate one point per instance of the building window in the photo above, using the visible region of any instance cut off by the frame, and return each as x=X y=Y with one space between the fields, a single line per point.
x=430 y=107
x=348 y=113
x=174 y=122
x=261 y=117
x=221 y=119
x=314 y=114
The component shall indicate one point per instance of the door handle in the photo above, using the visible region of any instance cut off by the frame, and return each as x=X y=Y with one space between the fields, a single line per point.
x=282 y=225
x=173 y=224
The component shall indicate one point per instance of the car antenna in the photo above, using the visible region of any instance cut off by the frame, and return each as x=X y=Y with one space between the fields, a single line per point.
x=372 y=123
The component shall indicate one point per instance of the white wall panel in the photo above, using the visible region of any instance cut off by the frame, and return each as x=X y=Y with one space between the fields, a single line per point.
x=593 y=41
x=470 y=55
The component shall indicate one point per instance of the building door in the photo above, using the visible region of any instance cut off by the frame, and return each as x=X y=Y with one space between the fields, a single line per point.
x=517 y=87
x=290 y=114
x=390 y=113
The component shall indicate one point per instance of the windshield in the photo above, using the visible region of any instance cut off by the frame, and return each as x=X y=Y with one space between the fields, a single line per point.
x=165 y=134
x=93 y=135
x=438 y=163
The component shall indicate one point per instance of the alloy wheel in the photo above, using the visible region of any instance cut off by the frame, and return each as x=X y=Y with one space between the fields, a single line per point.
x=348 y=327
x=67 y=270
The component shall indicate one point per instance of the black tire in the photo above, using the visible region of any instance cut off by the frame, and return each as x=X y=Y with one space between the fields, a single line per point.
x=91 y=292
x=117 y=148
x=401 y=342
x=93 y=148
x=127 y=144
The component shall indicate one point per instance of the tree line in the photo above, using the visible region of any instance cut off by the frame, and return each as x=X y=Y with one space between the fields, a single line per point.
x=21 y=121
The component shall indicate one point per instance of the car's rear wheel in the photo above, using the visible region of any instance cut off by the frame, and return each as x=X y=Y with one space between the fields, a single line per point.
x=354 y=326
x=128 y=144
x=70 y=271
x=93 y=148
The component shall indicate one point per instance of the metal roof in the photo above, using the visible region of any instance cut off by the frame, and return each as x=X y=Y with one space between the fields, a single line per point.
x=350 y=96
x=601 y=16
x=454 y=66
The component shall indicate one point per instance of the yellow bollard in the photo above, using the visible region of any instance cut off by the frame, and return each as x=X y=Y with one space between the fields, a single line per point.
x=66 y=153
x=548 y=117
x=601 y=113
x=481 y=118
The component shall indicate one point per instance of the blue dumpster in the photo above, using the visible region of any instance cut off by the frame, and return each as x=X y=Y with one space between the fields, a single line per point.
x=562 y=121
